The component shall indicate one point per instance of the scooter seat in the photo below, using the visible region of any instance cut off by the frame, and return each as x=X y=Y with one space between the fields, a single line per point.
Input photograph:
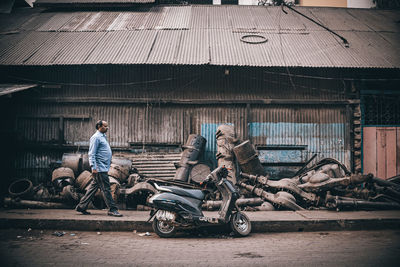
x=193 y=193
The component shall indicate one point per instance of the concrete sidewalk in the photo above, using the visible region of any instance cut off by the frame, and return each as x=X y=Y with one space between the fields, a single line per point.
x=268 y=221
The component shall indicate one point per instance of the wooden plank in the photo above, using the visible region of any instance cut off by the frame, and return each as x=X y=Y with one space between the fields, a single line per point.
x=398 y=150
x=369 y=150
x=381 y=153
x=390 y=152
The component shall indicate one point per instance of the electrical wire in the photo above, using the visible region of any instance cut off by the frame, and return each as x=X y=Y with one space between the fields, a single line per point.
x=329 y=78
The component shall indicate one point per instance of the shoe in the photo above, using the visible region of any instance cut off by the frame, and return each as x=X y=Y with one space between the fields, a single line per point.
x=84 y=212
x=114 y=213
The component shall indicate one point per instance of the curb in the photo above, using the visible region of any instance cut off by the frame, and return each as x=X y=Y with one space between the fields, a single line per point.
x=257 y=226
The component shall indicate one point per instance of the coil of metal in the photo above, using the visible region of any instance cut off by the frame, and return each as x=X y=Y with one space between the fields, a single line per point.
x=247 y=158
x=21 y=188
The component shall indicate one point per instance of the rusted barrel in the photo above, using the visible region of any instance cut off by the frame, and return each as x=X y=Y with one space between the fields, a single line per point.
x=193 y=149
x=72 y=161
x=83 y=180
x=199 y=172
x=114 y=188
x=85 y=163
x=69 y=194
x=247 y=158
x=182 y=173
x=118 y=172
x=123 y=162
x=61 y=173
x=63 y=176
x=22 y=188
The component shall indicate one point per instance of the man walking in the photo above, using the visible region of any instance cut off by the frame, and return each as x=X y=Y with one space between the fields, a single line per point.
x=100 y=160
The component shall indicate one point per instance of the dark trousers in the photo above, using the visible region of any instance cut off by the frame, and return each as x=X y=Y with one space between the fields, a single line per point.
x=100 y=180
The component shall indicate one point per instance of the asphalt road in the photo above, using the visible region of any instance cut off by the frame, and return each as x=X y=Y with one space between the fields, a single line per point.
x=355 y=248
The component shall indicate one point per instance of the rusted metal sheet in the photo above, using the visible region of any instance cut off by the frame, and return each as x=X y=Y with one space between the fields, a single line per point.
x=155 y=165
x=375 y=20
x=321 y=130
x=143 y=34
x=73 y=52
x=35 y=164
x=56 y=21
x=176 y=18
x=336 y=19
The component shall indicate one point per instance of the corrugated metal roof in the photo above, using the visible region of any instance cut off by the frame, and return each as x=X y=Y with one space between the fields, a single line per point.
x=202 y=35
x=48 y=3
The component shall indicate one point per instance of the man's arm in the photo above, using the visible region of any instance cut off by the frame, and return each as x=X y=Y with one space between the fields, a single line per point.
x=93 y=147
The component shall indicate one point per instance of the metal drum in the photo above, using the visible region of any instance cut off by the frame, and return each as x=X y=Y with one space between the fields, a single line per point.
x=182 y=173
x=85 y=163
x=63 y=176
x=118 y=172
x=114 y=188
x=248 y=160
x=123 y=162
x=193 y=149
x=72 y=161
x=199 y=172
x=83 y=180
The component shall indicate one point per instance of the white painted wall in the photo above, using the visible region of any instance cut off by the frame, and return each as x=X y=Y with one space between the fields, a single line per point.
x=248 y=2
x=361 y=3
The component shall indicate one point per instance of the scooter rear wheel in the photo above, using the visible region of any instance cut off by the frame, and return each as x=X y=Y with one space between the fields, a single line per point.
x=240 y=224
x=163 y=229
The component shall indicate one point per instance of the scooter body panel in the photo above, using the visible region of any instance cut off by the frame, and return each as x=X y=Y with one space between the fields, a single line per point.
x=172 y=202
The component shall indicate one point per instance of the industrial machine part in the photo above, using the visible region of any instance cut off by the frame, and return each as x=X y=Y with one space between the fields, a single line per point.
x=248 y=159
x=284 y=184
x=279 y=199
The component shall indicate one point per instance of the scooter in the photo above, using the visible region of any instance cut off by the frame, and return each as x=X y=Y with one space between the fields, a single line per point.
x=175 y=207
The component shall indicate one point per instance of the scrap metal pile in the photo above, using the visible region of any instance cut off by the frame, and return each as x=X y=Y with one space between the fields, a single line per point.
x=328 y=184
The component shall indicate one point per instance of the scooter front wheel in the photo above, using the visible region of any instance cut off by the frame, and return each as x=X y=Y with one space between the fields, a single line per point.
x=240 y=224
x=163 y=229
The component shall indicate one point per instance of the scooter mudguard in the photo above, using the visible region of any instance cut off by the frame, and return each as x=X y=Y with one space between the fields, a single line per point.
x=178 y=204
